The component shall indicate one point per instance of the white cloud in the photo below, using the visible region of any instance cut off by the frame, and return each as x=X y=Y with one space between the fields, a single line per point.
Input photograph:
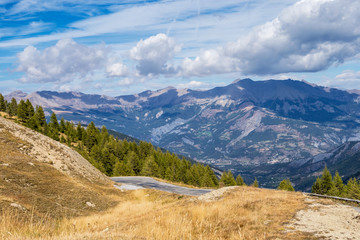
x=192 y=84
x=153 y=54
x=117 y=69
x=64 y=62
x=307 y=37
x=210 y=62
x=348 y=79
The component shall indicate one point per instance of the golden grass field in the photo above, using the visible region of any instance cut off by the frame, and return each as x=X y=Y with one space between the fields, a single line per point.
x=243 y=213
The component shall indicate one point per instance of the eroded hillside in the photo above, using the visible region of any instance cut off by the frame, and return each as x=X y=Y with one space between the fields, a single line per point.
x=39 y=176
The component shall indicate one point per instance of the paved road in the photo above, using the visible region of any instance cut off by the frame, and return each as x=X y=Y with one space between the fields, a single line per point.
x=148 y=182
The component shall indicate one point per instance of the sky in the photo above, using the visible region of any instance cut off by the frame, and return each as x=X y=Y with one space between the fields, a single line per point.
x=124 y=47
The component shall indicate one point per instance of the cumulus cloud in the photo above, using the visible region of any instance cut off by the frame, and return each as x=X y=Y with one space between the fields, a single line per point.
x=306 y=37
x=153 y=55
x=117 y=69
x=64 y=62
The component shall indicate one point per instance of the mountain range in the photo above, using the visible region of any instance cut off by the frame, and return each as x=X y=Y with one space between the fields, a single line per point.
x=245 y=125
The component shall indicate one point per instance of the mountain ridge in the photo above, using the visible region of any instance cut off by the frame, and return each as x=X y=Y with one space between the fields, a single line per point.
x=247 y=122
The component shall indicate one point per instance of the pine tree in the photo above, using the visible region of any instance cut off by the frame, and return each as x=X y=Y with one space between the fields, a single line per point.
x=40 y=116
x=352 y=189
x=338 y=186
x=12 y=108
x=2 y=103
x=240 y=181
x=29 y=109
x=79 y=131
x=54 y=124
x=316 y=187
x=227 y=178
x=122 y=169
x=53 y=127
x=150 y=167
x=92 y=134
x=62 y=126
x=326 y=181
x=212 y=175
x=286 y=185
x=206 y=181
x=255 y=183
x=22 y=111
x=133 y=161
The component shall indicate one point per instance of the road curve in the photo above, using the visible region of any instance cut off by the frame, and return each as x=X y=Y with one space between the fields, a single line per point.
x=148 y=182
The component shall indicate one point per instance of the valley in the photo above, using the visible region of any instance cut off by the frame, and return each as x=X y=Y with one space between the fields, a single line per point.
x=255 y=128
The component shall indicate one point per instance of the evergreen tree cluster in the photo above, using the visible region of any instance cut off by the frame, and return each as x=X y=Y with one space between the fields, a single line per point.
x=227 y=179
x=286 y=185
x=111 y=156
x=334 y=186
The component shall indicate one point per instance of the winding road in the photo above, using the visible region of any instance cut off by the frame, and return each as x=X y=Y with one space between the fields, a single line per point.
x=148 y=182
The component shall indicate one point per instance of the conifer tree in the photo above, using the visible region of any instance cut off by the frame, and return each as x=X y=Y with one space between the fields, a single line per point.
x=326 y=181
x=227 y=178
x=92 y=134
x=22 y=111
x=40 y=116
x=255 y=183
x=54 y=124
x=150 y=167
x=316 y=187
x=133 y=161
x=286 y=185
x=2 y=103
x=337 y=188
x=122 y=169
x=211 y=174
x=352 y=189
x=79 y=131
x=240 y=181
x=206 y=180
x=62 y=126
x=12 y=108
x=29 y=109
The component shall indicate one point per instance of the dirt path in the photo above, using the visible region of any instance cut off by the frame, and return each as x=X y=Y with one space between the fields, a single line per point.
x=331 y=221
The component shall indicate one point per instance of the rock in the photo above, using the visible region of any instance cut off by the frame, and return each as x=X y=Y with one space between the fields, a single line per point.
x=16 y=205
x=90 y=204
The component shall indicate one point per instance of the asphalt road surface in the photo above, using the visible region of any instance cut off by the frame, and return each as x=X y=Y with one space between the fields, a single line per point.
x=148 y=182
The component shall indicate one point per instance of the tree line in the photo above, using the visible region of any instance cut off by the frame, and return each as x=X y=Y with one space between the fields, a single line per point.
x=112 y=156
x=334 y=186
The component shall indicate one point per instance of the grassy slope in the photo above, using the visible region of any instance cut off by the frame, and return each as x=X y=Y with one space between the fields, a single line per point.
x=55 y=207
x=43 y=190
x=243 y=213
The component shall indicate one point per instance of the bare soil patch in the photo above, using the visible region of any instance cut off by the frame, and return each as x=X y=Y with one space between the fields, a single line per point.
x=328 y=219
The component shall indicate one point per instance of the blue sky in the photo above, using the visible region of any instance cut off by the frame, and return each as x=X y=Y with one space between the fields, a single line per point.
x=124 y=47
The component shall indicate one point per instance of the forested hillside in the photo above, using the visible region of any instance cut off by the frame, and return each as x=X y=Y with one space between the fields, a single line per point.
x=110 y=155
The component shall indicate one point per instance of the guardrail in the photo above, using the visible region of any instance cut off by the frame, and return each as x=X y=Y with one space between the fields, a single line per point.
x=333 y=197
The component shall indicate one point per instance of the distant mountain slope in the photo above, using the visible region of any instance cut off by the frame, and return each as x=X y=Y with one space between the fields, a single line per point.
x=345 y=159
x=303 y=172
x=247 y=122
x=41 y=177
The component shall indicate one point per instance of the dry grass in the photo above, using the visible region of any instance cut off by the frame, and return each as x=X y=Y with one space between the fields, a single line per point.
x=41 y=190
x=52 y=205
x=245 y=213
